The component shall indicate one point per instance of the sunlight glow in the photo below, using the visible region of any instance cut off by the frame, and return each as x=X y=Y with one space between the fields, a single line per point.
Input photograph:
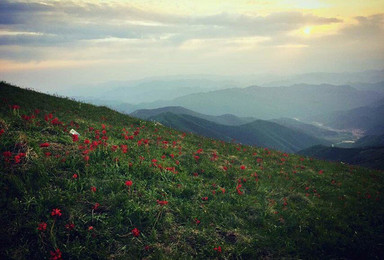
x=307 y=30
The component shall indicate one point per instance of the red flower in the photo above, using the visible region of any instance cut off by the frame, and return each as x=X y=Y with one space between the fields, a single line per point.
x=75 y=138
x=44 y=145
x=242 y=167
x=90 y=228
x=162 y=202
x=93 y=189
x=42 y=226
x=17 y=159
x=74 y=176
x=70 y=226
x=55 y=255
x=96 y=206
x=197 y=221
x=218 y=249
x=86 y=158
x=135 y=232
x=56 y=212
x=7 y=154
x=238 y=187
x=2 y=131
x=204 y=198
x=128 y=183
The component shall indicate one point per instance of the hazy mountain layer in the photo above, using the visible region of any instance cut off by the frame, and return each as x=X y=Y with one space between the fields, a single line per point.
x=372 y=157
x=226 y=119
x=268 y=103
x=260 y=133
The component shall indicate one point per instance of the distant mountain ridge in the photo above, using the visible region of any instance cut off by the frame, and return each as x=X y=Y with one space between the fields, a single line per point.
x=369 y=119
x=259 y=132
x=372 y=157
x=226 y=119
x=269 y=103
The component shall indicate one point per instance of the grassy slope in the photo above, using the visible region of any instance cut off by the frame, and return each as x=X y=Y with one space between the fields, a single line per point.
x=289 y=206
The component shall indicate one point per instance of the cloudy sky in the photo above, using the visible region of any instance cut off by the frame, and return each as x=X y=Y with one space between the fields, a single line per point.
x=55 y=44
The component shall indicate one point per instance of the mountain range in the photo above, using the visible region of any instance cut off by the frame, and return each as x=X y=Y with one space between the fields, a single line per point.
x=258 y=132
x=369 y=119
x=298 y=101
x=284 y=134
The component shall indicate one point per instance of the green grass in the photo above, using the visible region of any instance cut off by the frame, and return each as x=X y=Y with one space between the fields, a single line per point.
x=292 y=207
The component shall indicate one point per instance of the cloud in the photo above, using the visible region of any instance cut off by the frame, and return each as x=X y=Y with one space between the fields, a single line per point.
x=66 y=23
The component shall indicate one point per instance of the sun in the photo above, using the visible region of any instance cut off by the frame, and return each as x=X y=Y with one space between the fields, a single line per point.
x=307 y=30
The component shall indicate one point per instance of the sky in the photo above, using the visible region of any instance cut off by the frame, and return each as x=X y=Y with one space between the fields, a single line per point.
x=58 y=44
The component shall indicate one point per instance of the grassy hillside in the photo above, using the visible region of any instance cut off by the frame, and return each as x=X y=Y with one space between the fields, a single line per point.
x=259 y=132
x=127 y=189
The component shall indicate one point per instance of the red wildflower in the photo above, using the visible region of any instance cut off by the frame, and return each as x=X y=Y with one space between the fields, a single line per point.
x=42 y=226
x=75 y=138
x=17 y=159
x=90 y=228
x=162 y=202
x=197 y=221
x=55 y=255
x=135 y=232
x=74 y=176
x=86 y=158
x=70 y=226
x=2 y=131
x=15 y=107
x=218 y=249
x=238 y=187
x=44 y=145
x=242 y=167
x=56 y=212
x=204 y=198
x=96 y=206
x=93 y=189
x=128 y=183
